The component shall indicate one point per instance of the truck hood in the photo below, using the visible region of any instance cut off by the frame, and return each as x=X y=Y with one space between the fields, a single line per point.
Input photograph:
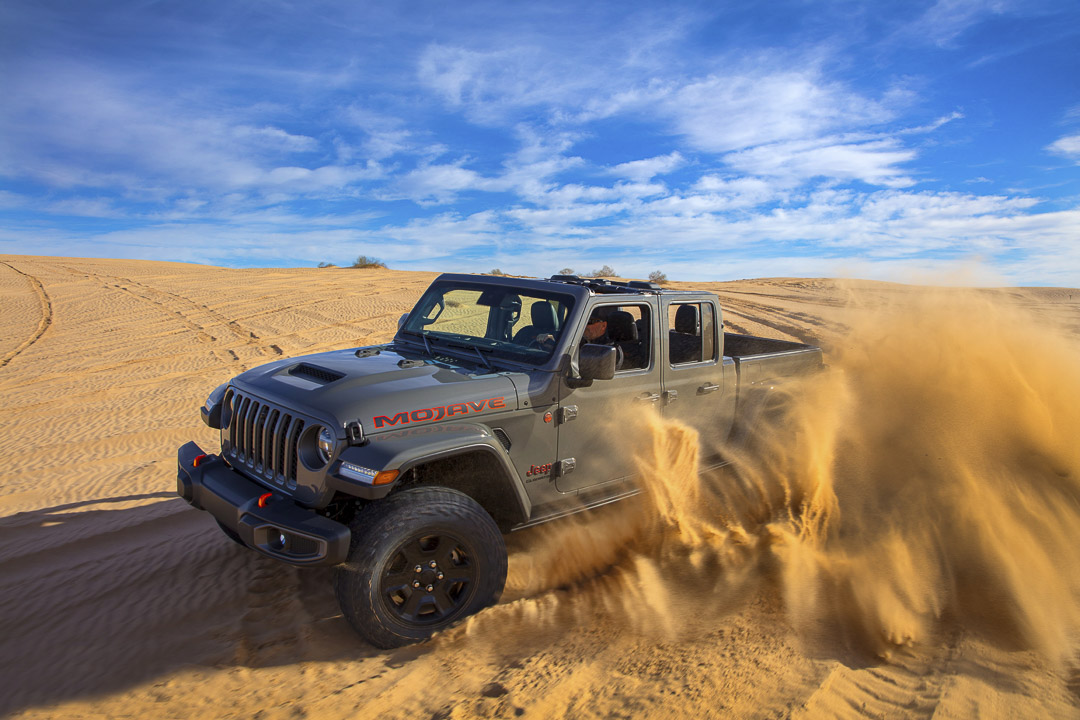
x=380 y=387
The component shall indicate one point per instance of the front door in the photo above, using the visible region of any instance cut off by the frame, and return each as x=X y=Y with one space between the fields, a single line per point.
x=596 y=427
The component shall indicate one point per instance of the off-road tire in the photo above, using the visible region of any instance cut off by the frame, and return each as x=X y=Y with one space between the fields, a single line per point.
x=453 y=541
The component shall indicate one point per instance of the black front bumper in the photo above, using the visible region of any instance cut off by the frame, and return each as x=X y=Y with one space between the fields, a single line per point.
x=281 y=529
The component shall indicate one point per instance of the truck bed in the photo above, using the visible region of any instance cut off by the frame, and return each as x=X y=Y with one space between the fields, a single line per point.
x=759 y=360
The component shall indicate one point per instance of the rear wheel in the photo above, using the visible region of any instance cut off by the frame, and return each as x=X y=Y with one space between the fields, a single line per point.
x=420 y=560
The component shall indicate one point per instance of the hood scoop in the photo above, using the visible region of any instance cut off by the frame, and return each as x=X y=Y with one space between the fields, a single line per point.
x=407 y=363
x=321 y=375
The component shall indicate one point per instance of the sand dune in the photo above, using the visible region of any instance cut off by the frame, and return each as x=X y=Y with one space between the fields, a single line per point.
x=117 y=599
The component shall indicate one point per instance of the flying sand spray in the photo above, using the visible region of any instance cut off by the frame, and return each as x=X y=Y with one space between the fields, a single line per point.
x=929 y=479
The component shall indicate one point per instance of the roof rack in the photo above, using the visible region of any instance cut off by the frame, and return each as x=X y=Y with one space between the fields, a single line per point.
x=599 y=285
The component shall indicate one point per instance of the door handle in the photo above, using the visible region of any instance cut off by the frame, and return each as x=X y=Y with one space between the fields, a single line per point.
x=647 y=397
x=706 y=389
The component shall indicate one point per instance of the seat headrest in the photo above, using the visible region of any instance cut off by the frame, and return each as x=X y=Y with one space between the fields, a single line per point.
x=621 y=326
x=686 y=320
x=543 y=316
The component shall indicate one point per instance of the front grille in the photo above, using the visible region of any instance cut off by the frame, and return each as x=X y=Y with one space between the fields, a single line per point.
x=262 y=439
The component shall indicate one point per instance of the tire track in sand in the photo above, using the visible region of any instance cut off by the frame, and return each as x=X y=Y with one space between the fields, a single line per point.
x=186 y=309
x=43 y=324
x=197 y=319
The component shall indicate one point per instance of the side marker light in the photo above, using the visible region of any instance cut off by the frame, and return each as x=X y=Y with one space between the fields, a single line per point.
x=384 y=477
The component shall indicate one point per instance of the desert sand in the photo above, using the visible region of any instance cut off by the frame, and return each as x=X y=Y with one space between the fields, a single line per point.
x=903 y=543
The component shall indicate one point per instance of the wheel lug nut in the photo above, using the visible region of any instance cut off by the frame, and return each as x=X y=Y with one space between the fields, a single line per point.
x=418 y=569
x=416 y=584
x=439 y=576
x=432 y=564
x=430 y=588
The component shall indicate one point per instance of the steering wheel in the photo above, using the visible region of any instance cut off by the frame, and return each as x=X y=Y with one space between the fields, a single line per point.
x=543 y=341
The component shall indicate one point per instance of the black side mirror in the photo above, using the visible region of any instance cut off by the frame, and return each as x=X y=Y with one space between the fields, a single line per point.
x=401 y=321
x=597 y=362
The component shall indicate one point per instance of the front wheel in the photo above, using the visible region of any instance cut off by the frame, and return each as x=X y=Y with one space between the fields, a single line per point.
x=419 y=561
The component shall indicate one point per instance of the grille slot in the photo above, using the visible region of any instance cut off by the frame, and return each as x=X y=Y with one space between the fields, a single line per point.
x=262 y=439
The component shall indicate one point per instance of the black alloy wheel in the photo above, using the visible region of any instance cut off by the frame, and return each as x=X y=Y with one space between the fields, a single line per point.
x=429 y=579
x=420 y=560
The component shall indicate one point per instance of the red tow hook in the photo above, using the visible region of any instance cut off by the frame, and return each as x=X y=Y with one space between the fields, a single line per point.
x=198 y=460
x=263 y=499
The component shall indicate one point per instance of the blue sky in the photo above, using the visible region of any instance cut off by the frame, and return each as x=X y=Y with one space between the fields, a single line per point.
x=709 y=140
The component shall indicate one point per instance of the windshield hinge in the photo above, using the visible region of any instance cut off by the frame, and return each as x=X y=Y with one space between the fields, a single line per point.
x=568 y=413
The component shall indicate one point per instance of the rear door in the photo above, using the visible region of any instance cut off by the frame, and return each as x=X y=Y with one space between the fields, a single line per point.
x=697 y=381
x=596 y=421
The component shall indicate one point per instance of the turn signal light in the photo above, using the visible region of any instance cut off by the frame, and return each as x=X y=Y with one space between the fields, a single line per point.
x=384 y=477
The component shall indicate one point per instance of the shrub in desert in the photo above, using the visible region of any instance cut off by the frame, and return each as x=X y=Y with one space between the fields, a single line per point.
x=365 y=263
x=606 y=271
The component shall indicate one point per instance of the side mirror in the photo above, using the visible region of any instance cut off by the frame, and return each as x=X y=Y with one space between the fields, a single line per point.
x=597 y=362
x=401 y=321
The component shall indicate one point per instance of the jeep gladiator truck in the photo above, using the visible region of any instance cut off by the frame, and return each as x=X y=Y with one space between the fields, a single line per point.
x=495 y=407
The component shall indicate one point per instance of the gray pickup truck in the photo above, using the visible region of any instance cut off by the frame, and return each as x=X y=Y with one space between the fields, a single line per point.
x=499 y=404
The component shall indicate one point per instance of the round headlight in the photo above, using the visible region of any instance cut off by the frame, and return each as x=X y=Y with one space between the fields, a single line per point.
x=325 y=444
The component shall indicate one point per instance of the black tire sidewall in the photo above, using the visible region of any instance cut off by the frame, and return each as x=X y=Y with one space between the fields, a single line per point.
x=383 y=527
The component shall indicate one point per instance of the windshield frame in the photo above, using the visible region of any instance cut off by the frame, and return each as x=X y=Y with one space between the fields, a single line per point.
x=485 y=351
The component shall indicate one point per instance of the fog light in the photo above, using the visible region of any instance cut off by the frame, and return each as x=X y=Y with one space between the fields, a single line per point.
x=277 y=543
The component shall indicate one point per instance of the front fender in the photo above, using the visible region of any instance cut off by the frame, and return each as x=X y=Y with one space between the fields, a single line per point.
x=404 y=449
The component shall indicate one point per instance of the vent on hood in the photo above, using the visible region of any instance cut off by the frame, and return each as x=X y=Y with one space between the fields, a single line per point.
x=315 y=373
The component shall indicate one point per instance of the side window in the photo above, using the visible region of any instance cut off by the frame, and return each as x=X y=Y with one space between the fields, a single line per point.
x=691 y=333
x=628 y=328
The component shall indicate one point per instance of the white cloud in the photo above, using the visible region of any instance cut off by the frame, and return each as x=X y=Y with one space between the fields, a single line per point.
x=841 y=228
x=946 y=20
x=737 y=111
x=1069 y=146
x=442 y=183
x=73 y=127
x=873 y=162
x=646 y=169
x=274 y=137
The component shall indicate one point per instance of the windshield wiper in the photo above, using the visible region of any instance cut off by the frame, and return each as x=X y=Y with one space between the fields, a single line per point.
x=482 y=358
x=475 y=349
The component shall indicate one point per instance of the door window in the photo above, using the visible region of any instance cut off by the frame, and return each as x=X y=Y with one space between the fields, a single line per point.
x=627 y=327
x=691 y=333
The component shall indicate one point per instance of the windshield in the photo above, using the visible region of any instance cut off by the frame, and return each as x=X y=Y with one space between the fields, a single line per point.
x=491 y=322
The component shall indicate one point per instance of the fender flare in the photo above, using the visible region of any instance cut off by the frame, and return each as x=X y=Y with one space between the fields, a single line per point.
x=407 y=448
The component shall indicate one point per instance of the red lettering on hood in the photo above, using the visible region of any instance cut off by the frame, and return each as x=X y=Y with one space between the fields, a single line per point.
x=433 y=414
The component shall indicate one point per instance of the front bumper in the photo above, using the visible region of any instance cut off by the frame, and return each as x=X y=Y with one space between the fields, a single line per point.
x=280 y=529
